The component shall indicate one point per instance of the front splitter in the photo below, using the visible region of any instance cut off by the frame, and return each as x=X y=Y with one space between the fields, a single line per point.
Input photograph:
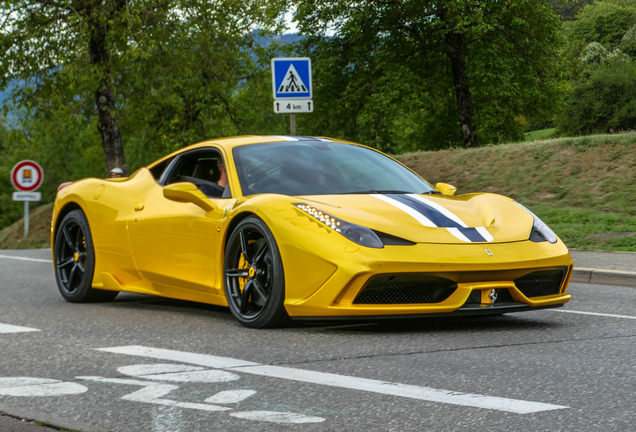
x=462 y=311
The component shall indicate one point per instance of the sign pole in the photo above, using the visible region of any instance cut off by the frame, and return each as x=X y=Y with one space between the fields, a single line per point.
x=26 y=219
x=292 y=124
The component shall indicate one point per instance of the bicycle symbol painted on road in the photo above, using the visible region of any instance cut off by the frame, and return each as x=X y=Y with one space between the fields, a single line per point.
x=157 y=381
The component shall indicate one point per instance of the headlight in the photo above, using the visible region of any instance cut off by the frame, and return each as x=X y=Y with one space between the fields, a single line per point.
x=356 y=233
x=540 y=229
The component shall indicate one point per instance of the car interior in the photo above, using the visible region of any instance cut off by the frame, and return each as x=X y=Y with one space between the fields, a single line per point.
x=200 y=168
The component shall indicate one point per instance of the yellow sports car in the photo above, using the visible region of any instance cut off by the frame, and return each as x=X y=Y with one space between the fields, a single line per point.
x=302 y=228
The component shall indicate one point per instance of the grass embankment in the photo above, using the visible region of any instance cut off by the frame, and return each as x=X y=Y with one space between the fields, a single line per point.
x=12 y=237
x=540 y=134
x=584 y=187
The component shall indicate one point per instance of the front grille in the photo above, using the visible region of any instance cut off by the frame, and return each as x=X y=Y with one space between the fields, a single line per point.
x=540 y=283
x=405 y=289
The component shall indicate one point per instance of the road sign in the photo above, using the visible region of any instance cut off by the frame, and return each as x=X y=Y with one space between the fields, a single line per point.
x=27 y=196
x=294 y=106
x=291 y=78
x=27 y=176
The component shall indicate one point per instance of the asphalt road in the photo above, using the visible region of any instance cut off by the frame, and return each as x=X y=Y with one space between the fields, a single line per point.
x=132 y=365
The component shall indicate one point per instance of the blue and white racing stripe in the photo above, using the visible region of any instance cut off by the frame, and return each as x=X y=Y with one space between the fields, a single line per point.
x=433 y=215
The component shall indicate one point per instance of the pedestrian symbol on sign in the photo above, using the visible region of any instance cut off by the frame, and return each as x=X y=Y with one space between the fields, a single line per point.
x=291 y=78
x=292 y=83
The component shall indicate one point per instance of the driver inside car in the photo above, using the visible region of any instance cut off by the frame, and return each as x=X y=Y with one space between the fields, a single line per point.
x=221 y=184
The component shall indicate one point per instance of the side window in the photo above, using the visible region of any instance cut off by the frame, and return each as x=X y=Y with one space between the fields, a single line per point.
x=204 y=169
x=158 y=169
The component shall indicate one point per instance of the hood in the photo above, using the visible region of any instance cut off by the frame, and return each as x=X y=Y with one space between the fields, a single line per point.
x=473 y=218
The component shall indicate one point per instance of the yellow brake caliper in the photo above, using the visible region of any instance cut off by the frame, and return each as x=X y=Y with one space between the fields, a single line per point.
x=242 y=264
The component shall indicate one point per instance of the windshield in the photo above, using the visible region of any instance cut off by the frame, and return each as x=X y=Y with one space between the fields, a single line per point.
x=321 y=168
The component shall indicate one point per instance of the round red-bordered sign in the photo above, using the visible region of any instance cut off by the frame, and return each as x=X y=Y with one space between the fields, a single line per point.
x=27 y=176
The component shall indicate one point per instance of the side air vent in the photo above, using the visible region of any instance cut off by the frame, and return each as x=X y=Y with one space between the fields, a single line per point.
x=389 y=240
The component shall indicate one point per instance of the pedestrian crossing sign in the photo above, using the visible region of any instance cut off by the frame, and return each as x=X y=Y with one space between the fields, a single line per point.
x=291 y=78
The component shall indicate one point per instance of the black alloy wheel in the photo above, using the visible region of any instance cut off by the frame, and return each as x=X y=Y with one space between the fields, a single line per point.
x=254 y=280
x=75 y=261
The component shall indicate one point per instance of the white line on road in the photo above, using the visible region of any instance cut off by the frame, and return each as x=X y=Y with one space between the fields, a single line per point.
x=594 y=313
x=26 y=259
x=153 y=392
x=341 y=381
x=8 y=328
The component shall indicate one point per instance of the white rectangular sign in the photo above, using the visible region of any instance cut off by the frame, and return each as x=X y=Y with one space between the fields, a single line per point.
x=293 y=106
x=27 y=196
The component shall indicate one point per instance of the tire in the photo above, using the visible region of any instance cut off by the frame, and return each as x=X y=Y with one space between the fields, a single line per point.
x=75 y=261
x=253 y=275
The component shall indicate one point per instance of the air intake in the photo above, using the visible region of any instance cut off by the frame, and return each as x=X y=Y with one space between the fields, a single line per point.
x=405 y=289
x=540 y=283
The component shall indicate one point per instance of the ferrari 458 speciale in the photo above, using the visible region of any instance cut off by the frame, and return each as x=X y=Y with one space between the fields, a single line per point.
x=302 y=228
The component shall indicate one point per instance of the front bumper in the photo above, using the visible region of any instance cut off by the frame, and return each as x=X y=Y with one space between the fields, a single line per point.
x=338 y=277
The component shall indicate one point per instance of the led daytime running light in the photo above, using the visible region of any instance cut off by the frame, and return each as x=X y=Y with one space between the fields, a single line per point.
x=324 y=217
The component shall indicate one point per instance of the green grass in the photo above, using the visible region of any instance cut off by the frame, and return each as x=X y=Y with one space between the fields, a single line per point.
x=540 y=134
x=583 y=187
x=584 y=229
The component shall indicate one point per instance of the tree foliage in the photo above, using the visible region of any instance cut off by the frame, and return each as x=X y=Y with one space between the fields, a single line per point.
x=386 y=76
x=601 y=43
x=141 y=62
x=604 y=102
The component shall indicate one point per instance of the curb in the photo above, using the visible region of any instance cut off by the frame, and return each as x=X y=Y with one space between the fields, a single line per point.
x=607 y=277
x=49 y=420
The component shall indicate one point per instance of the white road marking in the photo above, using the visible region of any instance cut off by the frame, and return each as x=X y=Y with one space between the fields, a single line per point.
x=156 y=368
x=180 y=356
x=8 y=328
x=342 y=381
x=276 y=417
x=153 y=393
x=205 y=376
x=35 y=387
x=26 y=259
x=230 y=396
x=593 y=313
x=186 y=374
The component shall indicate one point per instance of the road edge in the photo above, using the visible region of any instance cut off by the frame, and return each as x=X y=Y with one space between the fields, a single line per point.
x=606 y=277
x=50 y=420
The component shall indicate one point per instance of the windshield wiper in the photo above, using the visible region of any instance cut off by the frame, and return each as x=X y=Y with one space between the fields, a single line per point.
x=386 y=192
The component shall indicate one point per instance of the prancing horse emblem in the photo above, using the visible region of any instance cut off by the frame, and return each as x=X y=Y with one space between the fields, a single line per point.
x=489 y=252
x=493 y=297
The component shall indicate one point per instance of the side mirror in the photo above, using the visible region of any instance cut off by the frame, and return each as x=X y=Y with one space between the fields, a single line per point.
x=445 y=188
x=187 y=192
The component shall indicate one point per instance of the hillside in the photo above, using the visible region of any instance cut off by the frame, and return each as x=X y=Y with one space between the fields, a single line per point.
x=584 y=188
x=12 y=237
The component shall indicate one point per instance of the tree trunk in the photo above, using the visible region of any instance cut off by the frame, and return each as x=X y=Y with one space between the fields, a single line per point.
x=465 y=109
x=105 y=101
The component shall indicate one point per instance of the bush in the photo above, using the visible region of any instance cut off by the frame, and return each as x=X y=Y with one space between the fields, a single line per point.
x=604 y=102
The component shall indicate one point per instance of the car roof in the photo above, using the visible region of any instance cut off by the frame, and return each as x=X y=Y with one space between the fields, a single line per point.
x=229 y=143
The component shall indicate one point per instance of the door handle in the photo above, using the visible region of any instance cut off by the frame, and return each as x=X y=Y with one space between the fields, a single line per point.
x=138 y=207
